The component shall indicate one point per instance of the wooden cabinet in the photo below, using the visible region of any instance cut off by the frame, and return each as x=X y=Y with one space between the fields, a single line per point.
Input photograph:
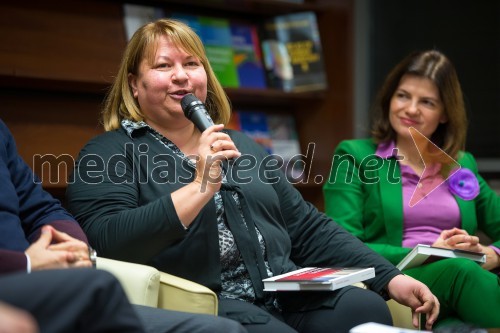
x=57 y=59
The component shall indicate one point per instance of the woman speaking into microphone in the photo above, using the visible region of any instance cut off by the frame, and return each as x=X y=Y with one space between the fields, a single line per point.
x=155 y=189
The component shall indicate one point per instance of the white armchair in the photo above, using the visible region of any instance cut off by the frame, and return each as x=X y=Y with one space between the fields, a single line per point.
x=145 y=285
x=401 y=315
x=140 y=282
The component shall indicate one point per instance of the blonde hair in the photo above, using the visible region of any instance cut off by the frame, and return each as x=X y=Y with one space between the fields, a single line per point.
x=120 y=103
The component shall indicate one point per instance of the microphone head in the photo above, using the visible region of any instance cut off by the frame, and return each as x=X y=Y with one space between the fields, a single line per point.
x=195 y=110
x=189 y=103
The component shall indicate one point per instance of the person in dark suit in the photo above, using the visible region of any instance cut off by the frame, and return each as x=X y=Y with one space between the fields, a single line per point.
x=71 y=300
x=45 y=267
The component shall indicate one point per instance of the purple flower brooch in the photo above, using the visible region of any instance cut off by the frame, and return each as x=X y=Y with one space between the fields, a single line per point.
x=463 y=183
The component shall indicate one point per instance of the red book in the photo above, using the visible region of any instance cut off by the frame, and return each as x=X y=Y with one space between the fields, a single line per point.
x=317 y=278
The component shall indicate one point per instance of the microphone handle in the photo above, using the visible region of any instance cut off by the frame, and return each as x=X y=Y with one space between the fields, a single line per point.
x=200 y=120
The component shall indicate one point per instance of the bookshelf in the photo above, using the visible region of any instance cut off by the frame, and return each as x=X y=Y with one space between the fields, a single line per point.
x=58 y=58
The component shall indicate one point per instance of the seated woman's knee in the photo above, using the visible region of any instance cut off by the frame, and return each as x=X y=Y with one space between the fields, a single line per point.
x=460 y=266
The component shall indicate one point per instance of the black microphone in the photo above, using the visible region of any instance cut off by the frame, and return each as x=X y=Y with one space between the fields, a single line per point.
x=195 y=110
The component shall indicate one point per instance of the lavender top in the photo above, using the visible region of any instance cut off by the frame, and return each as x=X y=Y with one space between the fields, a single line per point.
x=432 y=208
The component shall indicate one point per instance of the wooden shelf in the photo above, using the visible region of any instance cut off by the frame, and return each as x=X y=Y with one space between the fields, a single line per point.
x=272 y=97
x=252 y=8
x=56 y=64
x=45 y=84
x=248 y=96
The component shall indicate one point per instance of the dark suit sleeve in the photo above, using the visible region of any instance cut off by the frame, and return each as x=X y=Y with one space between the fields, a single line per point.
x=33 y=205
x=25 y=207
x=12 y=261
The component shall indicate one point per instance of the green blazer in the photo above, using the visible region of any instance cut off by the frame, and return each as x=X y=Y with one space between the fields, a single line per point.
x=365 y=197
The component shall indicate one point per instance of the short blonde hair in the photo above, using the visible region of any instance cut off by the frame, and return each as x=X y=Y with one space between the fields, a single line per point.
x=120 y=103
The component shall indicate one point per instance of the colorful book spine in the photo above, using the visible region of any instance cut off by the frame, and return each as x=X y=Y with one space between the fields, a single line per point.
x=216 y=36
x=254 y=124
x=191 y=20
x=285 y=143
x=234 y=122
x=292 y=52
x=247 y=55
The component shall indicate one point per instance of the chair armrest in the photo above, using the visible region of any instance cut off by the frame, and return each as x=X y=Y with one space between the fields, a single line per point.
x=140 y=282
x=401 y=314
x=183 y=295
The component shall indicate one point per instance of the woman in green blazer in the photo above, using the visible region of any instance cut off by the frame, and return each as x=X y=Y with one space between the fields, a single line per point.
x=381 y=190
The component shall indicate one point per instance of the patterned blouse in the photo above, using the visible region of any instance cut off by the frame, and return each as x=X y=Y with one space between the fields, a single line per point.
x=236 y=283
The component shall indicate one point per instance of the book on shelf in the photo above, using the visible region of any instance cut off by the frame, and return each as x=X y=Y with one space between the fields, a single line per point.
x=254 y=124
x=284 y=137
x=423 y=254
x=234 y=122
x=318 y=278
x=216 y=37
x=278 y=136
x=191 y=20
x=292 y=52
x=135 y=16
x=247 y=55
x=285 y=143
x=215 y=34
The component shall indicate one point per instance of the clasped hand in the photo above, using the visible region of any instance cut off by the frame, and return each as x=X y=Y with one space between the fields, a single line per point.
x=56 y=249
x=460 y=239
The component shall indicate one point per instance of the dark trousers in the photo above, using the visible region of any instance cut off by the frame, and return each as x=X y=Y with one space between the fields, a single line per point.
x=354 y=307
x=164 y=321
x=71 y=300
x=89 y=300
